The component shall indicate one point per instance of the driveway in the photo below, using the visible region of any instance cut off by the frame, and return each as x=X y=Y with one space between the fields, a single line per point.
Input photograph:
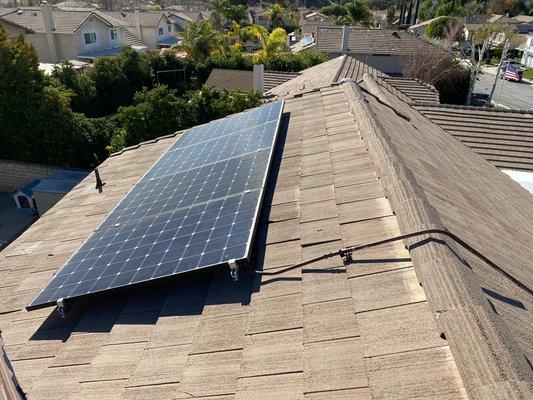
x=513 y=94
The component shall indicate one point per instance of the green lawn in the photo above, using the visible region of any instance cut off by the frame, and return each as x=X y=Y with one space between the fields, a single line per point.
x=528 y=74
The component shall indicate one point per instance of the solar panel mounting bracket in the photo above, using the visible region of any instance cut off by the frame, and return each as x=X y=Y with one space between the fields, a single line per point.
x=63 y=307
x=234 y=269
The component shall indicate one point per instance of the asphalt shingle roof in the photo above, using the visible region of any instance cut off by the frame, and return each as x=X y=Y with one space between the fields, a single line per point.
x=351 y=167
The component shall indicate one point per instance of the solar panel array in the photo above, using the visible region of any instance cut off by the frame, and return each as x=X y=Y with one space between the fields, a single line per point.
x=195 y=208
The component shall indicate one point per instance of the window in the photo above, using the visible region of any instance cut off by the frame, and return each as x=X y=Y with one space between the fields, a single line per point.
x=169 y=28
x=114 y=35
x=160 y=31
x=90 y=37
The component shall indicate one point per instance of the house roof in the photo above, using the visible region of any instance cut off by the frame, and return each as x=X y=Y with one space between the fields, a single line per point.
x=502 y=137
x=425 y=23
x=346 y=67
x=411 y=90
x=75 y=3
x=367 y=41
x=148 y=19
x=64 y=21
x=243 y=80
x=355 y=164
x=524 y=18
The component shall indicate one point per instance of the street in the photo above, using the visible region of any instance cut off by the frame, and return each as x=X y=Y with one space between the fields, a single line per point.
x=513 y=95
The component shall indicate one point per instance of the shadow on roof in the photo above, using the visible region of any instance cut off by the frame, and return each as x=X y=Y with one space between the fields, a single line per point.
x=188 y=294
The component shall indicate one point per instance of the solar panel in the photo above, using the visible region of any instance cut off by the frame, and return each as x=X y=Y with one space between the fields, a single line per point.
x=196 y=207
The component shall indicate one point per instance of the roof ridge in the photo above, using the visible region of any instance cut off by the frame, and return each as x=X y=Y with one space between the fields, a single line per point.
x=478 y=338
x=476 y=108
x=146 y=142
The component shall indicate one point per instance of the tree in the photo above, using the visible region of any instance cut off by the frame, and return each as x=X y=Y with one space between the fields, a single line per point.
x=275 y=44
x=156 y=112
x=438 y=28
x=201 y=40
x=427 y=10
x=83 y=91
x=275 y=15
x=390 y=15
x=112 y=86
x=358 y=11
x=37 y=122
x=439 y=68
x=161 y=111
x=237 y=13
x=217 y=13
x=334 y=10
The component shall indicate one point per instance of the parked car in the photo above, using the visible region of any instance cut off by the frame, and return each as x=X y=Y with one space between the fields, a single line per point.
x=480 y=99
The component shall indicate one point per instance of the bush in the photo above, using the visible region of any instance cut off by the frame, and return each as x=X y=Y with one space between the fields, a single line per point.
x=160 y=111
x=439 y=68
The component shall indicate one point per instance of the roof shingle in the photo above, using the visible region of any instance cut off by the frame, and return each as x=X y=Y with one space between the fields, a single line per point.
x=503 y=137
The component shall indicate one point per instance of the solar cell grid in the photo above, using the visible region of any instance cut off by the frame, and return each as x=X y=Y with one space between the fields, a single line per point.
x=196 y=207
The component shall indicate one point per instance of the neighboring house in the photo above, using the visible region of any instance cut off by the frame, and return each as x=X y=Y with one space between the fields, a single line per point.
x=308 y=27
x=316 y=17
x=420 y=28
x=527 y=56
x=153 y=28
x=444 y=314
x=246 y=81
x=76 y=4
x=259 y=16
x=502 y=137
x=411 y=91
x=385 y=50
x=180 y=18
x=65 y=35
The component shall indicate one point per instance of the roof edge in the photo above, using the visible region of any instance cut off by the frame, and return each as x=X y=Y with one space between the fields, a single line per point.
x=24 y=28
x=488 y=359
x=474 y=108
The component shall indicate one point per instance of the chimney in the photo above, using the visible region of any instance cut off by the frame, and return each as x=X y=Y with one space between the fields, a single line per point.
x=49 y=29
x=258 y=77
x=137 y=15
x=345 y=37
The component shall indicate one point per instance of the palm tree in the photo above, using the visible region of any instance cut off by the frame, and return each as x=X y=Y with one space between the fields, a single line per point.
x=201 y=40
x=275 y=15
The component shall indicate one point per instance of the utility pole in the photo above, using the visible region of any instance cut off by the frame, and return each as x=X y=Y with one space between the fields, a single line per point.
x=504 y=57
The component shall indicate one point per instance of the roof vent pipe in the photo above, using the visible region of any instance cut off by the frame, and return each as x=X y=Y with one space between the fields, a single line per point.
x=345 y=37
x=49 y=29
x=259 y=70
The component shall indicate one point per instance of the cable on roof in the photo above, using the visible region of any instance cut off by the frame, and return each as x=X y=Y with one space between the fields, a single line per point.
x=347 y=258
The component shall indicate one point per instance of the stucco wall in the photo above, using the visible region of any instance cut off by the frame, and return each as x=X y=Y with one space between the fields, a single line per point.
x=103 y=37
x=16 y=174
